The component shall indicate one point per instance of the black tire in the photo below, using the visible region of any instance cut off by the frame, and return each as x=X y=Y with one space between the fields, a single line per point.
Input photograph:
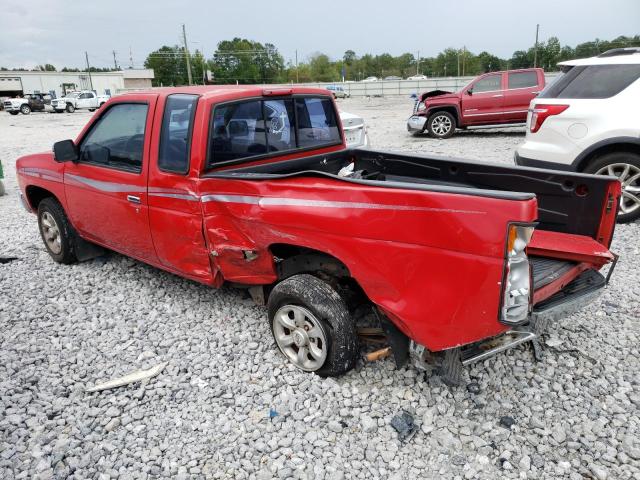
x=25 y=109
x=70 y=108
x=324 y=302
x=92 y=109
x=437 y=123
x=51 y=206
x=617 y=162
x=14 y=113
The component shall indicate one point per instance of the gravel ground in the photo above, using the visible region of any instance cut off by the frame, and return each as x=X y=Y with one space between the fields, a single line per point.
x=575 y=415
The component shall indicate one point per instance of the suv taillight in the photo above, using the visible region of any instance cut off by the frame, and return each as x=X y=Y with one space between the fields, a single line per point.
x=540 y=113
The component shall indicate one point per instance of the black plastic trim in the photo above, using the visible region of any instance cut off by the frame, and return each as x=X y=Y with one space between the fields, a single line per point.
x=577 y=164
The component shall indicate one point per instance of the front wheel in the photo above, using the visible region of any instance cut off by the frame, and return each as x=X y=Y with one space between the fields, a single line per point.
x=56 y=231
x=441 y=124
x=70 y=108
x=25 y=109
x=312 y=327
x=14 y=113
x=626 y=167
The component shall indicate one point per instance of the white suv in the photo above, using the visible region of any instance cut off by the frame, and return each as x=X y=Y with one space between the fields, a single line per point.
x=588 y=120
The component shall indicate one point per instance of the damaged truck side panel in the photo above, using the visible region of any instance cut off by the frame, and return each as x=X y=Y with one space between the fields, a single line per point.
x=208 y=187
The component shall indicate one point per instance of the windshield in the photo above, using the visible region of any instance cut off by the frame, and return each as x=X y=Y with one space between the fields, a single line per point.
x=72 y=94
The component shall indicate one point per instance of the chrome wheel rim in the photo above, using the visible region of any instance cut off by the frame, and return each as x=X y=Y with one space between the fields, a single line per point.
x=441 y=125
x=629 y=176
x=51 y=233
x=300 y=337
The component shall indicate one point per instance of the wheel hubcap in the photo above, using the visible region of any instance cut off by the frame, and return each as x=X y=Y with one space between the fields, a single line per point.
x=300 y=337
x=629 y=176
x=51 y=233
x=441 y=125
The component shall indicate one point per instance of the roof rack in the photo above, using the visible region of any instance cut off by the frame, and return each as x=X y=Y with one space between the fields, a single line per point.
x=619 y=51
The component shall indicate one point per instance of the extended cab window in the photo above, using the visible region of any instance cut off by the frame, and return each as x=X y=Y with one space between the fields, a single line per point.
x=258 y=127
x=488 y=84
x=116 y=140
x=523 y=79
x=317 y=123
x=175 y=134
x=593 y=81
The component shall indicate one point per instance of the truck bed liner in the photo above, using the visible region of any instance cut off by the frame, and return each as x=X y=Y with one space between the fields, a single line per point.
x=546 y=270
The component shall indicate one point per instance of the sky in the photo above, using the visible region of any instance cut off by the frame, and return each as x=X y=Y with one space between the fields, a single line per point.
x=36 y=32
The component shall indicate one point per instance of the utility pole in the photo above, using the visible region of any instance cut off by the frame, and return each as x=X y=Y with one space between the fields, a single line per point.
x=130 y=58
x=535 y=49
x=458 y=62
x=86 y=56
x=297 y=76
x=418 y=64
x=115 y=61
x=464 y=57
x=186 y=53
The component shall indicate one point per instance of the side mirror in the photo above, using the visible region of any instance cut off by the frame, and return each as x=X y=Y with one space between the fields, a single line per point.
x=470 y=91
x=65 y=151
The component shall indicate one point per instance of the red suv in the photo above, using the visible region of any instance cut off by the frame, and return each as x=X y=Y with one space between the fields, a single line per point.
x=496 y=98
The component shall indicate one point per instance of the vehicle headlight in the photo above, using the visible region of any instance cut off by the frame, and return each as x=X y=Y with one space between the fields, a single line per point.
x=421 y=107
x=516 y=295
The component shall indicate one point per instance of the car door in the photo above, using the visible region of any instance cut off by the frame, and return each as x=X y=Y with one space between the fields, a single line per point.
x=483 y=101
x=175 y=215
x=106 y=189
x=522 y=87
x=85 y=100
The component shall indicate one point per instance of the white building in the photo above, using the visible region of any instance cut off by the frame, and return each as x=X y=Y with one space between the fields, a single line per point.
x=14 y=83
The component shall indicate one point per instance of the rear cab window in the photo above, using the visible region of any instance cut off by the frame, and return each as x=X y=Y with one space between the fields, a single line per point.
x=175 y=133
x=267 y=127
x=593 y=81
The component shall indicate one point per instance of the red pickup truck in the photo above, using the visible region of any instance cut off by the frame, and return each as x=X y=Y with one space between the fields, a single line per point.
x=492 y=99
x=256 y=188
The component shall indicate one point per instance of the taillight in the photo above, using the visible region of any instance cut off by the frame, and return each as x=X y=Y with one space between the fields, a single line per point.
x=516 y=295
x=540 y=113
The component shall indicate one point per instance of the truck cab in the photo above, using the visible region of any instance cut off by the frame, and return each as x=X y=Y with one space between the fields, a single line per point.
x=492 y=99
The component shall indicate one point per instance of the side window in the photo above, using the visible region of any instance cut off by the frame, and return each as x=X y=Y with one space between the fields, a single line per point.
x=116 y=140
x=317 y=123
x=175 y=134
x=488 y=84
x=523 y=80
x=237 y=131
x=84 y=95
x=281 y=134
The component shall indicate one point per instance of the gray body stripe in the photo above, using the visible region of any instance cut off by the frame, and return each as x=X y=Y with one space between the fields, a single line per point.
x=300 y=202
x=181 y=196
x=41 y=173
x=106 y=186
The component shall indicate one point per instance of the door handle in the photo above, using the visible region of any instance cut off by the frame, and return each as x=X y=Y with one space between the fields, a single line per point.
x=499 y=95
x=133 y=199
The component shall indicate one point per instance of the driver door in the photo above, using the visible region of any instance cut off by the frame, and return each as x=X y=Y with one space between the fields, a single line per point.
x=483 y=102
x=106 y=188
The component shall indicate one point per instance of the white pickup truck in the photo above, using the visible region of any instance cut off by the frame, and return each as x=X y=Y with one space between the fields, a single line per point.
x=73 y=101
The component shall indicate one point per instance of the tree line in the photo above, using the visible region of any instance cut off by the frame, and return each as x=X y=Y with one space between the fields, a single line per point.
x=249 y=62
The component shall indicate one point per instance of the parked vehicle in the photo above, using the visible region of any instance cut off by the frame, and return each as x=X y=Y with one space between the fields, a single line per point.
x=587 y=121
x=73 y=101
x=492 y=99
x=371 y=79
x=458 y=260
x=417 y=77
x=338 y=91
x=392 y=77
x=355 y=131
x=33 y=102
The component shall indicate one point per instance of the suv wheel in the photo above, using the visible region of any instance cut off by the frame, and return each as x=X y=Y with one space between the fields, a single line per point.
x=312 y=326
x=25 y=109
x=626 y=167
x=70 y=108
x=441 y=124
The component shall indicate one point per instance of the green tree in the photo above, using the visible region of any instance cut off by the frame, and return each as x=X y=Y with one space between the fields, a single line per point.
x=245 y=61
x=322 y=69
x=169 y=66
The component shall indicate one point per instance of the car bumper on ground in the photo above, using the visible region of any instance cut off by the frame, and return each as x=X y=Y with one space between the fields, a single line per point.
x=416 y=123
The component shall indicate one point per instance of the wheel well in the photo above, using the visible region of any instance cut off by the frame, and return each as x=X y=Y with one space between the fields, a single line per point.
x=451 y=110
x=36 y=194
x=293 y=259
x=606 y=149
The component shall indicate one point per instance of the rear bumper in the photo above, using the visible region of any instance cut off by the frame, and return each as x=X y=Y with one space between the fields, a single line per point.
x=416 y=124
x=532 y=162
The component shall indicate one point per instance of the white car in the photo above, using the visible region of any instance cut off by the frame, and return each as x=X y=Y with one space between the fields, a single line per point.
x=417 y=77
x=370 y=79
x=355 y=131
x=588 y=121
x=73 y=101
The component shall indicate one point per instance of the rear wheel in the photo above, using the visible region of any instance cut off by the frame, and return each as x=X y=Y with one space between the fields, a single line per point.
x=56 y=231
x=25 y=109
x=312 y=326
x=14 y=113
x=441 y=124
x=626 y=167
x=70 y=108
